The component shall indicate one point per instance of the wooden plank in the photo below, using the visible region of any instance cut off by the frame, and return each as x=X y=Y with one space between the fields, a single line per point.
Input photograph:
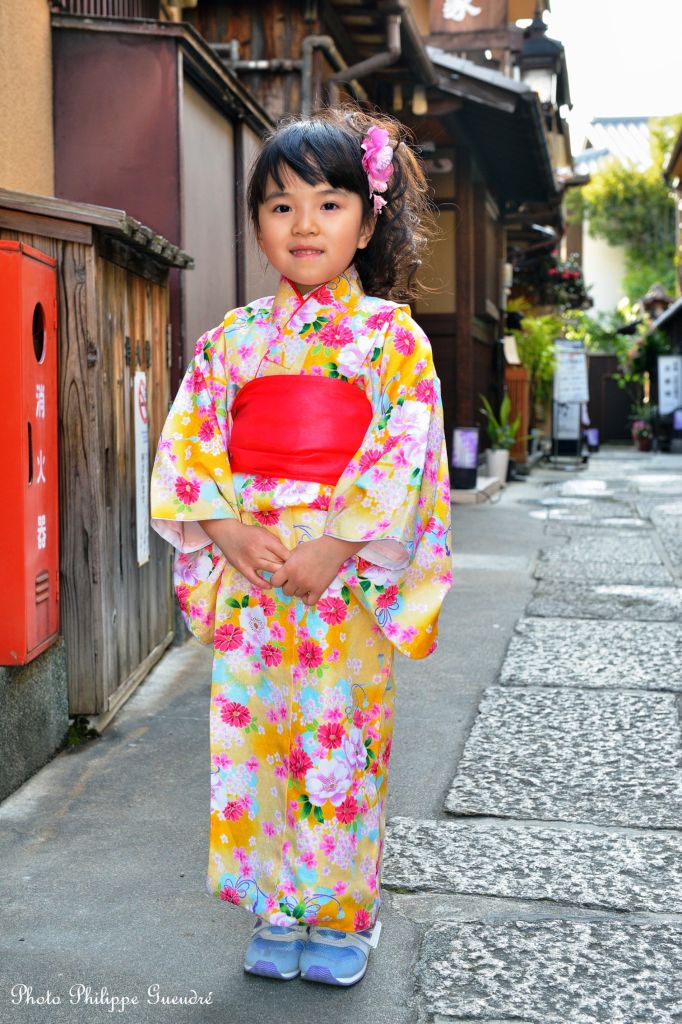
x=128 y=687
x=46 y=227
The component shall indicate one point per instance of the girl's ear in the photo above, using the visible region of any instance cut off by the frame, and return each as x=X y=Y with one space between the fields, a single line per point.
x=367 y=231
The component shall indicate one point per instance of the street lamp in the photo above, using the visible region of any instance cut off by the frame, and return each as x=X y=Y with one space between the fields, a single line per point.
x=542 y=62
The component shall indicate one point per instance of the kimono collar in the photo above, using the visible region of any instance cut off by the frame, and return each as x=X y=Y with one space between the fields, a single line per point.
x=342 y=293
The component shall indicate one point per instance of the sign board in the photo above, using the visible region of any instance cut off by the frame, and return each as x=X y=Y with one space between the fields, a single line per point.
x=468 y=15
x=669 y=384
x=567 y=421
x=570 y=375
x=141 y=419
x=465 y=457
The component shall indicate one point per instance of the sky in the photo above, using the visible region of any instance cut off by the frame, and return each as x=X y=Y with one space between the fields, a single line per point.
x=623 y=58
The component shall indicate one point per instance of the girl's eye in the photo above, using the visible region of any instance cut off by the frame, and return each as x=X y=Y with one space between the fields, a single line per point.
x=332 y=204
x=280 y=207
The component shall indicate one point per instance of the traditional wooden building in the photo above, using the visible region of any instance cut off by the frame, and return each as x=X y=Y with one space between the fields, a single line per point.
x=491 y=144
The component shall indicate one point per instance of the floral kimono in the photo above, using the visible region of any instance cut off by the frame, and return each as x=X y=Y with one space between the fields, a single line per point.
x=301 y=711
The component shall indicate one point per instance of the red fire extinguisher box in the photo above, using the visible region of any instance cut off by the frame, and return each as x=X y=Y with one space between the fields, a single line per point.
x=29 y=567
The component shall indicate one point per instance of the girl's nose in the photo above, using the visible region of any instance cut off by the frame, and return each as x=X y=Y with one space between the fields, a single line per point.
x=305 y=223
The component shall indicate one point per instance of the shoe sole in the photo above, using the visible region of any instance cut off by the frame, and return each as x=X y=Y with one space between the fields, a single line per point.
x=324 y=975
x=266 y=969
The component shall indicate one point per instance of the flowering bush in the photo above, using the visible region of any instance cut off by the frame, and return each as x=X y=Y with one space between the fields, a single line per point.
x=550 y=282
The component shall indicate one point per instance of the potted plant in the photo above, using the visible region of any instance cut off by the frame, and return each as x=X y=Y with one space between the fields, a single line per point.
x=642 y=416
x=502 y=435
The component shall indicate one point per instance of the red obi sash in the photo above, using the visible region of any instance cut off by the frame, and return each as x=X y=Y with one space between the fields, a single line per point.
x=298 y=427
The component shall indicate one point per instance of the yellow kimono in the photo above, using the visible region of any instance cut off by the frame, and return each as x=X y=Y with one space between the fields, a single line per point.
x=301 y=712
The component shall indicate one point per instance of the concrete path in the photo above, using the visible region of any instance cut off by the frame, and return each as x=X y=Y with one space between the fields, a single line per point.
x=532 y=869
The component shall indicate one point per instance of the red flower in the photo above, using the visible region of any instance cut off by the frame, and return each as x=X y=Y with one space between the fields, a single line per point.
x=363 y=565
x=271 y=654
x=264 y=483
x=268 y=518
x=346 y=811
x=310 y=654
x=229 y=894
x=321 y=502
x=182 y=592
x=361 y=921
x=266 y=603
x=330 y=735
x=233 y=810
x=379 y=319
x=332 y=610
x=235 y=714
x=206 y=430
x=336 y=335
x=426 y=392
x=198 y=381
x=187 y=490
x=403 y=341
x=389 y=597
x=386 y=755
x=368 y=459
x=228 y=637
x=299 y=762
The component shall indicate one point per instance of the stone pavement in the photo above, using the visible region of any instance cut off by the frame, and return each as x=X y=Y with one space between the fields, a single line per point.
x=534 y=846
x=549 y=888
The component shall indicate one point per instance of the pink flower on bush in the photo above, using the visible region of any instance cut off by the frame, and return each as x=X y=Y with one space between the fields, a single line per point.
x=228 y=637
x=233 y=713
x=332 y=610
x=187 y=490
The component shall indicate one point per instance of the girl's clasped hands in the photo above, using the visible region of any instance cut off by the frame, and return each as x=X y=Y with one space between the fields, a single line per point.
x=304 y=572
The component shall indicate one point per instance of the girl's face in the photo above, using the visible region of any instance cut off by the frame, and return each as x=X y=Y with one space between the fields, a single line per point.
x=310 y=233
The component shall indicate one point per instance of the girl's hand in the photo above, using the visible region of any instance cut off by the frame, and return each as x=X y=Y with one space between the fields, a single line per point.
x=312 y=566
x=250 y=549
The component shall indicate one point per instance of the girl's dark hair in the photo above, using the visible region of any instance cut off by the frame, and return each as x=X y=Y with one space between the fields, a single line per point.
x=326 y=147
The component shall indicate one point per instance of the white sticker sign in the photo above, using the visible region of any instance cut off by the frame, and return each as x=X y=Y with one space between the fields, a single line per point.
x=570 y=376
x=141 y=418
x=669 y=384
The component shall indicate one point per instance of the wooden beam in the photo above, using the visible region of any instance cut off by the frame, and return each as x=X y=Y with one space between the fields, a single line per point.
x=465 y=407
x=483 y=39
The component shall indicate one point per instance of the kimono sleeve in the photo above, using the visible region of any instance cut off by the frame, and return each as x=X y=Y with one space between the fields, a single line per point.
x=389 y=493
x=191 y=479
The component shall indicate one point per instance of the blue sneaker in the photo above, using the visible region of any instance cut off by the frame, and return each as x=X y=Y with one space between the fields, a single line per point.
x=274 y=950
x=337 y=958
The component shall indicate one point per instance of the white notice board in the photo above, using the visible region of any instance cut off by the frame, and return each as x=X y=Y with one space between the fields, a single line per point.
x=141 y=418
x=669 y=384
x=570 y=375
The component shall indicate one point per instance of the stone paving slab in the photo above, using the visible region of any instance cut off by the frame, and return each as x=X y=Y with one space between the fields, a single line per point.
x=586 y=867
x=563 y=524
x=594 y=654
x=552 y=972
x=553 y=599
x=601 y=756
x=594 y=509
x=586 y=545
x=602 y=572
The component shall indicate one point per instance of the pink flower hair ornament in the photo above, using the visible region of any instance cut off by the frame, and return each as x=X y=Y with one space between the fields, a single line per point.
x=378 y=164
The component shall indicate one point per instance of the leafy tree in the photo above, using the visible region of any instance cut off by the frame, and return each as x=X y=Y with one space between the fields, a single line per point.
x=635 y=209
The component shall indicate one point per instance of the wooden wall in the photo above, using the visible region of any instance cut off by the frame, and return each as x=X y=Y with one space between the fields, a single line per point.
x=116 y=617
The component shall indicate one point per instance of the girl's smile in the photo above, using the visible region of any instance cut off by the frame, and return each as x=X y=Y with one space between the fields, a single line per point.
x=310 y=233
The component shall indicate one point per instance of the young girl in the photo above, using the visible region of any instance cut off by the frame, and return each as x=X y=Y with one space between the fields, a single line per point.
x=302 y=476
